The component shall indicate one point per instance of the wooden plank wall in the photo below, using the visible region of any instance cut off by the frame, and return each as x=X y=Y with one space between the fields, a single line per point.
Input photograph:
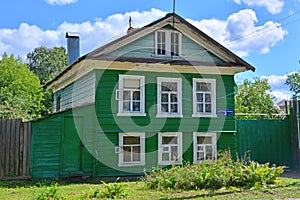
x=14 y=148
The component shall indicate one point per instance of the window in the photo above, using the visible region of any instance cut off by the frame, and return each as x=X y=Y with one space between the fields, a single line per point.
x=131 y=149
x=169 y=148
x=169 y=97
x=168 y=43
x=131 y=95
x=204 y=97
x=58 y=99
x=205 y=146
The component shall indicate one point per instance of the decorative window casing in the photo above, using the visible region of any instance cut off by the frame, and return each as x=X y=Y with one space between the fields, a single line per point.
x=204 y=97
x=169 y=97
x=131 y=149
x=169 y=148
x=131 y=95
x=205 y=146
x=168 y=43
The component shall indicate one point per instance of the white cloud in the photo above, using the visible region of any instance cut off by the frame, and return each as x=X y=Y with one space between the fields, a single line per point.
x=278 y=89
x=239 y=27
x=273 y=6
x=26 y=37
x=60 y=2
x=240 y=33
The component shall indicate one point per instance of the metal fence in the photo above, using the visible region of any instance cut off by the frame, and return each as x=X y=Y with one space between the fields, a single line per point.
x=266 y=140
x=14 y=148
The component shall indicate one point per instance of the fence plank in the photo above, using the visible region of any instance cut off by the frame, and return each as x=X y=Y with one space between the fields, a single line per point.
x=2 y=129
x=15 y=147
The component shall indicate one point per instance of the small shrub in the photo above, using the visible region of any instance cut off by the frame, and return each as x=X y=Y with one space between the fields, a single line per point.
x=49 y=193
x=113 y=190
x=213 y=175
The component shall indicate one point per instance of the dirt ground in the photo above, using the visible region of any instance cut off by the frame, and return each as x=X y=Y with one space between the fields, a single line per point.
x=291 y=173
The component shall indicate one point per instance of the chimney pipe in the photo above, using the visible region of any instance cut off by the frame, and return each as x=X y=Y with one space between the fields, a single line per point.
x=72 y=47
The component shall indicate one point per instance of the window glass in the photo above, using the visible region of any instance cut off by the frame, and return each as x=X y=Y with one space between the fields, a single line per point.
x=131 y=94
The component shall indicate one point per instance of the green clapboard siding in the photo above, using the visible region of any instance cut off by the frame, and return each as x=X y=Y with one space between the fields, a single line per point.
x=145 y=48
x=266 y=140
x=107 y=107
x=63 y=144
x=90 y=134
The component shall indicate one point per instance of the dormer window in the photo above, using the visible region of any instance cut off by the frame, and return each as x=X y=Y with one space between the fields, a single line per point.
x=168 y=43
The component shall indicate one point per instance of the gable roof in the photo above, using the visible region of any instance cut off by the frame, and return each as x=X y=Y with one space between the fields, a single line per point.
x=181 y=25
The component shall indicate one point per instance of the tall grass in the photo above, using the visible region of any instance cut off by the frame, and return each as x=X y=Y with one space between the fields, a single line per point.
x=224 y=172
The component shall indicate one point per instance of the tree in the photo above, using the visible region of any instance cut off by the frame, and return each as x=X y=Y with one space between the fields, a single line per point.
x=253 y=98
x=293 y=81
x=46 y=62
x=20 y=90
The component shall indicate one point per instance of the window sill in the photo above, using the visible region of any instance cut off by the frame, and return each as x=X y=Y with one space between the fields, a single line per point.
x=164 y=56
x=169 y=163
x=132 y=114
x=169 y=115
x=131 y=164
x=204 y=115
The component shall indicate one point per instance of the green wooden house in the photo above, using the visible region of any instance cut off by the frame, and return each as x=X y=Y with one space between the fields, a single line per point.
x=160 y=95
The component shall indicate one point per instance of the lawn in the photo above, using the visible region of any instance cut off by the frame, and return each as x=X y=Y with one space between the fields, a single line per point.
x=284 y=188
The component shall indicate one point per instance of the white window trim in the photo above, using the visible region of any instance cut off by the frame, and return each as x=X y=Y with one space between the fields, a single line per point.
x=179 y=88
x=214 y=144
x=120 y=100
x=119 y=150
x=213 y=107
x=160 y=147
x=168 y=43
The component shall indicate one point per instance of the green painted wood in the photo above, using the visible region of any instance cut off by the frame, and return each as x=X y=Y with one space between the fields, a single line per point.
x=77 y=94
x=266 y=140
x=145 y=48
x=72 y=145
x=107 y=107
x=45 y=147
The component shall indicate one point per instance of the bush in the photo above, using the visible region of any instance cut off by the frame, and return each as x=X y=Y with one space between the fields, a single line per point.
x=113 y=190
x=224 y=172
x=49 y=193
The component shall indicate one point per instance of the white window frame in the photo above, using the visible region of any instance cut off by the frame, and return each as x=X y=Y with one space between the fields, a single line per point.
x=119 y=96
x=195 y=145
x=168 y=43
x=120 y=151
x=160 y=147
x=179 y=97
x=213 y=98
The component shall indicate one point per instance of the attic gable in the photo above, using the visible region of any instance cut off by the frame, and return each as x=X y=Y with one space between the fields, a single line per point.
x=209 y=47
x=110 y=56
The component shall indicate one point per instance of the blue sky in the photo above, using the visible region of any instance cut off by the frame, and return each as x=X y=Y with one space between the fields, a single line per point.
x=263 y=32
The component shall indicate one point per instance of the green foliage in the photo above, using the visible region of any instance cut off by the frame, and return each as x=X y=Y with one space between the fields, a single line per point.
x=113 y=190
x=49 y=193
x=21 y=95
x=46 y=62
x=253 y=98
x=293 y=81
x=213 y=175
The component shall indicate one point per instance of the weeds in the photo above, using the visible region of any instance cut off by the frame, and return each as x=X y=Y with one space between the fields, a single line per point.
x=113 y=190
x=49 y=193
x=213 y=175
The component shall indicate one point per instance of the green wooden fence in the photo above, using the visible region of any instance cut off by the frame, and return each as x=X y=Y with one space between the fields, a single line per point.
x=266 y=140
